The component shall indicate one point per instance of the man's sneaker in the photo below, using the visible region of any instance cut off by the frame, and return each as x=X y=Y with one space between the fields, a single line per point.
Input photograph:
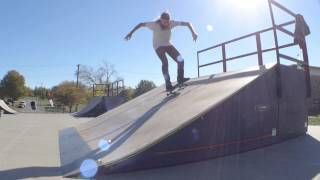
x=184 y=80
x=169 y=87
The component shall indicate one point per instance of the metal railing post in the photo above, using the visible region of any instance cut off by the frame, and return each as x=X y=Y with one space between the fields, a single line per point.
x=117 y=88
x=259 y=49
x=279 y=91
x=108 y=85
x=112 y=89
x=198 y=64
x=274 y=31
x=93 y=90
x=224 y=57
x=306 y=68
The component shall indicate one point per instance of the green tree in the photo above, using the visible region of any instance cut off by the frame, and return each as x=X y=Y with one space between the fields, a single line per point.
x=13 y=85
x=1 y=92
x=127 y=93
x=28 y=92
x=143 y=87
x=41 y=92
x=68 y=94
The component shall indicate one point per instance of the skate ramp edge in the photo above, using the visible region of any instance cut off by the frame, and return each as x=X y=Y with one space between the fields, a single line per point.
x=6 y=108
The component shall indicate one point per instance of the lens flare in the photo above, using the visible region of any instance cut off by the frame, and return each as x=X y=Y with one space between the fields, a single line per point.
x=88 y=168
x=209 y=28
x=104 y=145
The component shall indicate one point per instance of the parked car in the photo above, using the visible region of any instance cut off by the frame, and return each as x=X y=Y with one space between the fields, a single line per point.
x=22 y=104
x=10 y=102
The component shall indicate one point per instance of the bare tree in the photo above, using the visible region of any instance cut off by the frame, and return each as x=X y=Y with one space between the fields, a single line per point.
x=86 y=74
x=107 y=72
x=104 y=74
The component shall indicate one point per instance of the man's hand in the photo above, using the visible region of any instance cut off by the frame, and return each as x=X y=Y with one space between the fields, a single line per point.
x=128 y=37
x=195 y=36
x=189 y=25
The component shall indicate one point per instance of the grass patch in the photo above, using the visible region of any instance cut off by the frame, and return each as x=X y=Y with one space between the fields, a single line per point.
x=314 y=120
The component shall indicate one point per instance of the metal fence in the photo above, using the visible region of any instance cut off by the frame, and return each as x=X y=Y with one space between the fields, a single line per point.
x=259 y=51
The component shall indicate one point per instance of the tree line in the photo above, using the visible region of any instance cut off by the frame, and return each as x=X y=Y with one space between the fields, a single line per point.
x=69 y=93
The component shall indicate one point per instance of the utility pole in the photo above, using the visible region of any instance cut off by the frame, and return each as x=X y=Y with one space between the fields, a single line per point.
x=78 y=73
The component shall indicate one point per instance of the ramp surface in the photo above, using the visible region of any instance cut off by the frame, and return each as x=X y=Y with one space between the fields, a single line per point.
x=99 y=105
x=6 y=108
x=92 y=103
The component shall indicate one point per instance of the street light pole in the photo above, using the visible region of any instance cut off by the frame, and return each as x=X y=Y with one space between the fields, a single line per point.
x=78 y=72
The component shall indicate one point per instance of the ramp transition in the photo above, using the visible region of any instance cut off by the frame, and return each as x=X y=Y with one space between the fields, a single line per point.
x=6 y=108
x=99 y=105
x=214 y=116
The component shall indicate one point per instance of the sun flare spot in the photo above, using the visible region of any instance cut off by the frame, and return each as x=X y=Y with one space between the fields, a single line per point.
x=209 y=28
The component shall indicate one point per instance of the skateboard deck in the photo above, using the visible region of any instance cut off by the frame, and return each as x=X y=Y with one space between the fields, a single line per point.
x=176 y=87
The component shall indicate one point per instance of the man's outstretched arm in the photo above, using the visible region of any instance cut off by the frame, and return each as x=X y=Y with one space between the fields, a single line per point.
x=140 y=25
x=189 y=25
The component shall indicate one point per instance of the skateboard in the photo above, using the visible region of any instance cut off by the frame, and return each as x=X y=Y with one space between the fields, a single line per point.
x=176 y=87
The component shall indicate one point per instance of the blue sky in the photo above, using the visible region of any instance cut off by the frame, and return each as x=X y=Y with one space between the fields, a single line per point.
x=45 y=40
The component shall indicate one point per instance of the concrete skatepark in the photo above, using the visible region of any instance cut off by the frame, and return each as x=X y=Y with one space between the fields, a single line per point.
x=214 y=116
x=30 y=146
x=245 y=124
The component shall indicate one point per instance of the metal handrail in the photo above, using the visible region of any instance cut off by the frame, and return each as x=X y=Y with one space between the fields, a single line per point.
x=260 y=51
x=247 y=36
x=283 y=8
x=248 y=54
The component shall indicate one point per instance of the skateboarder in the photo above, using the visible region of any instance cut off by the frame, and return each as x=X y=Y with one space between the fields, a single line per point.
x=162 y=45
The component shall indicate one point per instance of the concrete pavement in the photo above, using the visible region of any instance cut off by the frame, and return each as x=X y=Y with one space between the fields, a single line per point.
x=29 y=150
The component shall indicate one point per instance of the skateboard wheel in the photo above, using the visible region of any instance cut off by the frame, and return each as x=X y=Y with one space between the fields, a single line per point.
x=99 y=161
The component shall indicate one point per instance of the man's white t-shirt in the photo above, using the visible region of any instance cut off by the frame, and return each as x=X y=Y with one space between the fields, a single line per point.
x=161 y=37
